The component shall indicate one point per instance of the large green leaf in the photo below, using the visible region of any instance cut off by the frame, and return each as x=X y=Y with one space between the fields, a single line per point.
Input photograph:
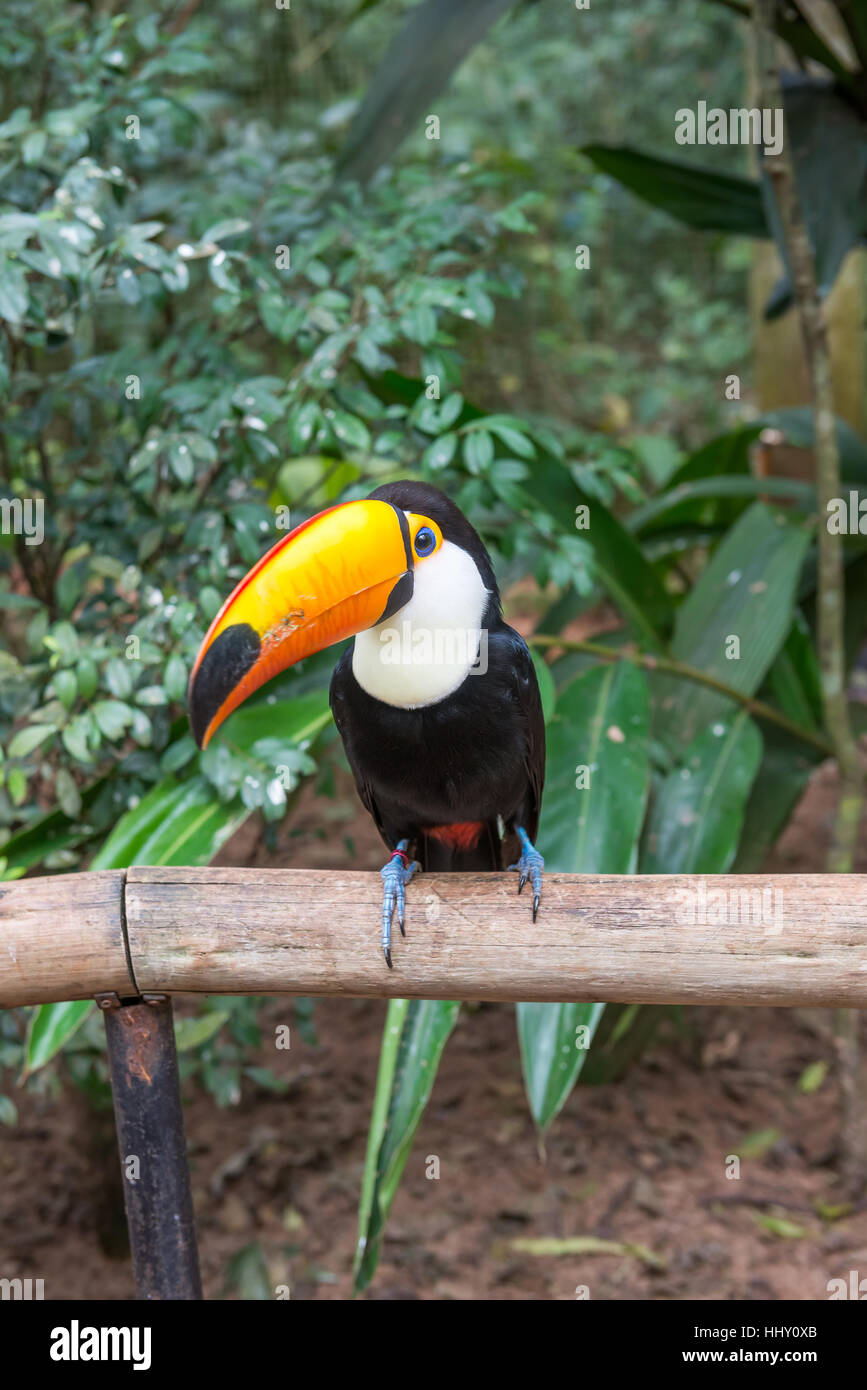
x=297 y=719
x=416 y=1031
x=795 y=679
x=182 y=823
x=419 y=64
x=599 y=735
x=697 y=814
x=733 y=622
x=700 y=197
x=780 y=782
x=726 y=456
x=186 y=823
x=658 y=510
x=554 y=1040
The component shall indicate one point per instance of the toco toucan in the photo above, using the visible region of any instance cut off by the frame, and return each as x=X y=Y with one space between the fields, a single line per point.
x=436 y=699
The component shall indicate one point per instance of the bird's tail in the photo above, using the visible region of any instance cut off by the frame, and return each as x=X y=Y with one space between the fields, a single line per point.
x=439 y=854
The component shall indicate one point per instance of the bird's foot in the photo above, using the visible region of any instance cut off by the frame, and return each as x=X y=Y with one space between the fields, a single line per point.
x=530 y=866
x=395 y=876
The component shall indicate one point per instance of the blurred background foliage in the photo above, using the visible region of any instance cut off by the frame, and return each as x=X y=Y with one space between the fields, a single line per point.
x=229 y=295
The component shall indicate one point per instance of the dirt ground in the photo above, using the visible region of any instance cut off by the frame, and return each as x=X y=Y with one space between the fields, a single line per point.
x=640 y=1163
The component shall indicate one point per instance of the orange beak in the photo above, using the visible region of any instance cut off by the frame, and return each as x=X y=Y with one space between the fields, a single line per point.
x=343 y=571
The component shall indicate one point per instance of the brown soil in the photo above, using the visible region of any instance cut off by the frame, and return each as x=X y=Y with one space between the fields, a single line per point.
x=641 y=1162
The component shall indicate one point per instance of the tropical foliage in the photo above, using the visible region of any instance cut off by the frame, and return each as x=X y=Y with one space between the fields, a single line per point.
x=225 y=305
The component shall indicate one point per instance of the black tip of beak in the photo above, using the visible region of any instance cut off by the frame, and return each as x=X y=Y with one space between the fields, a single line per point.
x=227 y=660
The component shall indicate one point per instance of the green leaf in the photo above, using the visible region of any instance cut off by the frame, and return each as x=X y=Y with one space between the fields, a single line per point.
x=27 y=739
x=618 y=562
x=299 y=720
x=726 y=456
x=795 y=679
x=229 y=227
x=176 y=823
x=192 y=1032
x=812 y=1077
x=304 y=420
x=733 y=622
x=113 y=717
x=16 y=785
x=697 y=814
x=546 y=685
x=175 y=677
x=178 y=754
x=670 y=504
x=54 y=831
x=780 y=1226
x=65 y=685
x=181 y=461
x=587 y=1245
x=554 y=1039
x=757 y=1144
x=478 y=451
x=76 y=736
x=247 y=1272
x=700 y=197
x=187 y=822
x=50 y=1028
x=515 y=441
x=14 y=295
x=597 y=772
x=350 y=431
x=440 y=453
x=416 y=1031
x=599 y=740
x=432 y=42
x=783 y=774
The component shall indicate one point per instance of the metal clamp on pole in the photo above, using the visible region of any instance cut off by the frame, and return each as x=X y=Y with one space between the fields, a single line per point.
x=153 y=1156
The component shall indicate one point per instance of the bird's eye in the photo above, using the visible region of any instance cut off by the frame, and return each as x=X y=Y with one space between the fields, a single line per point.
x=425 y=542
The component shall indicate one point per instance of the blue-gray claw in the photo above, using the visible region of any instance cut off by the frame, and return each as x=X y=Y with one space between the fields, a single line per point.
x=395 y=876
x=530 y=866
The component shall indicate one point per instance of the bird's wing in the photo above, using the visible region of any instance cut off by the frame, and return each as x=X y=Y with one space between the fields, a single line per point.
x=525 y=690
x=337 y=700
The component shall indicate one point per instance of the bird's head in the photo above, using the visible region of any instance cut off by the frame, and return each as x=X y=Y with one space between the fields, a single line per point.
x=404 y=550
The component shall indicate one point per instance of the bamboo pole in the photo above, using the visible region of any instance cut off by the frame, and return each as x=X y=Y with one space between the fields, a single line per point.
x=785 y=939
x=61 y=937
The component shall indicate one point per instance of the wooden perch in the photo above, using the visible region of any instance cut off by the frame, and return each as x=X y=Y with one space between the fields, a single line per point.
x=784 y=939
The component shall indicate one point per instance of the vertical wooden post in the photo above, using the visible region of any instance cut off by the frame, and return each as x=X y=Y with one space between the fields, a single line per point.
x=153 y=1156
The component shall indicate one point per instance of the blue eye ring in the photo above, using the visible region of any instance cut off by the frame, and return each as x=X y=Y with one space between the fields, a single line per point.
x=425 y=542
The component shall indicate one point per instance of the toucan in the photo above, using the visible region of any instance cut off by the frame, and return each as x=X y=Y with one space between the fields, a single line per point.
x=436 y=698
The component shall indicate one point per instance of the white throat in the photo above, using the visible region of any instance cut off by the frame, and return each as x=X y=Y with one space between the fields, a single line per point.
x=425 y=651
